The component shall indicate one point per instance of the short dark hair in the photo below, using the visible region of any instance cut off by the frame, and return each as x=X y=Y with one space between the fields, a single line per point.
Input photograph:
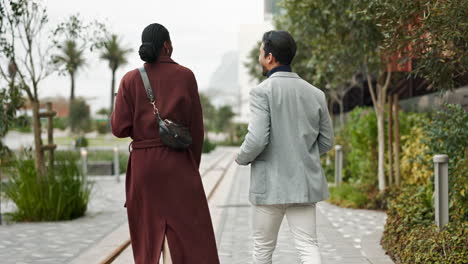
x=281 y=45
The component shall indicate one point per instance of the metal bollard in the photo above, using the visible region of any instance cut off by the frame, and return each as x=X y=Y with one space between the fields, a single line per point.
x=84 y=161
x=338 y=164
x=1 y=221
x=441 y=190
x=116 y=164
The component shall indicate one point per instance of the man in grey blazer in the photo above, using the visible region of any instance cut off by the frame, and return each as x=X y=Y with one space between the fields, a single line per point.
x=290 y=128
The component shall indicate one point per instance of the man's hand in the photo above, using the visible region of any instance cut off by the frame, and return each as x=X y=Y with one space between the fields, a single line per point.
x=239 y=162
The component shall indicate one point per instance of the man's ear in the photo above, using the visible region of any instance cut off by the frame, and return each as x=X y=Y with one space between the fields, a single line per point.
x=270 y=58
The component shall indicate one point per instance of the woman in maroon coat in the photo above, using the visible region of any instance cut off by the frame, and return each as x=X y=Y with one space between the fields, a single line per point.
x=165 y=200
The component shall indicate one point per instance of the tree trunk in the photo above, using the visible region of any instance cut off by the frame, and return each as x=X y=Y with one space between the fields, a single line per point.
x=112 y=91
x=381 y=148
x=390 y=141
x=396 y=144
x=72 y=93
x=39 y=161
x=50 y=135
x=72 y=90
x=379 y=107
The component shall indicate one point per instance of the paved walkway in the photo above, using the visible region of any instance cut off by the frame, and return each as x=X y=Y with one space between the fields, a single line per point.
x=345 y=235
x=61 y=242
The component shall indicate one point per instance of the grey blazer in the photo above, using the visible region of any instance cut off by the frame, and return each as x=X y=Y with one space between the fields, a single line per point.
x=290 y=128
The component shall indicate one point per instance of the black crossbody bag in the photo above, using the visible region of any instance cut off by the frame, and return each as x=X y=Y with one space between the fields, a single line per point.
x=173 y=135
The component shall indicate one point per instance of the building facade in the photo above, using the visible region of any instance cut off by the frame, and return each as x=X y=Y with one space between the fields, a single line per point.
x=249 y=37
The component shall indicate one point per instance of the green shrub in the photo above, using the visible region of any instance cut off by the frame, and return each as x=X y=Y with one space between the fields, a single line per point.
x=236 y=133
x=102 y=127
x=458 y=191
x=425 y=244
x=448 y=133
x=222 y=121
x=80 y=117
x=208 y=146
x=62 y=194
x=328 y=165
x=379 y=200
x=410 y=235
x=347 y=195
x=361 y=195
x=23 y=124
x=60 y=123
x=81 y=142
x=415 y=164
x=359 y=140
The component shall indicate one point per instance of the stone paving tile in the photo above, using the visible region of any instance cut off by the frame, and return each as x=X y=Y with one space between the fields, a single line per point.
x=361 y=228
x=343 y=234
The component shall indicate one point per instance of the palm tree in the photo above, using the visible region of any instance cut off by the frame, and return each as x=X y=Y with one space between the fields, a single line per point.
x=115 y=54
x=73 y=58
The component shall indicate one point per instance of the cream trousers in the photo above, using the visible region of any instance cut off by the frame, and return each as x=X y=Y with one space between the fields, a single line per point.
x=302 y=223
x=166 y=254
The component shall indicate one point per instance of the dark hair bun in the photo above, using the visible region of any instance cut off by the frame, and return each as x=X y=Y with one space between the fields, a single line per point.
x=147 y=52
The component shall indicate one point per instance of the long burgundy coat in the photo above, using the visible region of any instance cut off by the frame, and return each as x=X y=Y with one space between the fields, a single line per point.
x=164 y=191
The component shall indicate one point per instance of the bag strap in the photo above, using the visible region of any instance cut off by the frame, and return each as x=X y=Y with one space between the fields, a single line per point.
x=149 y=91
x=146 y=82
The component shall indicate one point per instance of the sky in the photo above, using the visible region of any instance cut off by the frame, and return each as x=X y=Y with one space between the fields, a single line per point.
x=202 y=31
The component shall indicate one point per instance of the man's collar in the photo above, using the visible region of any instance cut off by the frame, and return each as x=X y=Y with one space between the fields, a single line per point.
x=284 y=75
x=281 y=68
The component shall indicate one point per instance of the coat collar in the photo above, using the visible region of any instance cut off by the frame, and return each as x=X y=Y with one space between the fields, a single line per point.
x=282 y=68
x=285 y=74
x=162 y=59
x=166 y=59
